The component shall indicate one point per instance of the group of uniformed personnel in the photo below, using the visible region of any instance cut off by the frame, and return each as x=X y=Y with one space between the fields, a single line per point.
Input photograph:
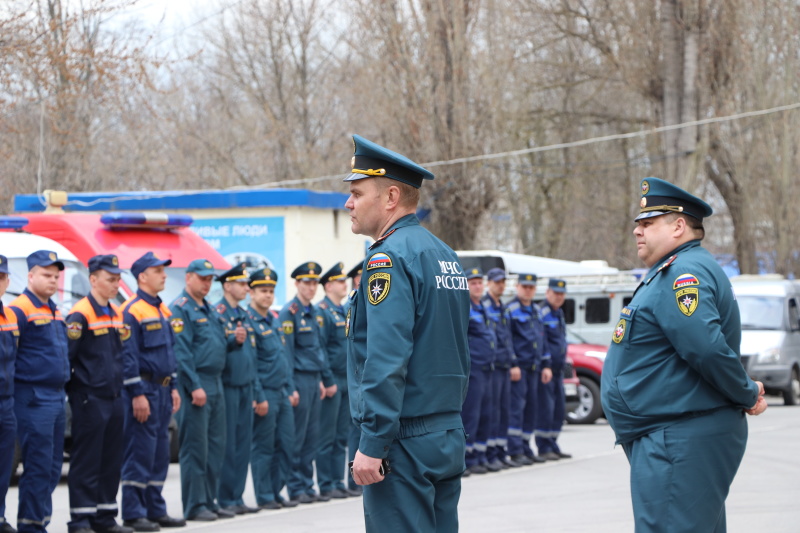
x=517 y=352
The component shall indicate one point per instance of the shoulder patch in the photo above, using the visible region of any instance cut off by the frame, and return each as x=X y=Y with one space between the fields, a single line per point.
x=125 y=332
x=688 y=300
x=619 y=331
x=74 y=330
x=379 y=260
x=177 y=325
x=685 y=280
x=288 y=327
x=378 y=287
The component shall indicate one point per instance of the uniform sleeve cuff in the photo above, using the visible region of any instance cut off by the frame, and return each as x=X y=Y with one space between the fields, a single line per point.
x=135 y=389
x=374 y=447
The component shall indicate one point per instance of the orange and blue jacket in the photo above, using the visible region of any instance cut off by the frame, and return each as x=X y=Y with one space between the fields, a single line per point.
x=42 y=357
x=95 y=348
x=9 y=337
x=148 y=352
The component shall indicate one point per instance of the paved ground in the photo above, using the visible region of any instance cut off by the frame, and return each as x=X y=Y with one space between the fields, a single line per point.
x=587 y=493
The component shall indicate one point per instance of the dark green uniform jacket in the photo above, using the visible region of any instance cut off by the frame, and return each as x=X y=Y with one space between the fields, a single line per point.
x=407 y=353
x=333 y=338
x=675 y=350
x=240 y=366
x=272 y=365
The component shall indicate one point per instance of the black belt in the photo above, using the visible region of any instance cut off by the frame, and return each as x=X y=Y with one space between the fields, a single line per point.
x=503 y=366
x=488 y=368
x=164 y=381
x=529 y=366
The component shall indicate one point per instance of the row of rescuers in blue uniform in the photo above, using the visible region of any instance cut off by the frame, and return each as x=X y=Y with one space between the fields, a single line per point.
x=673 y=388
x=517 y=352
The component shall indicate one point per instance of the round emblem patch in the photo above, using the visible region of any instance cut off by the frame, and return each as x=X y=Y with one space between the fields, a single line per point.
x=619 y=331
x=645 y=187
x=378 y=287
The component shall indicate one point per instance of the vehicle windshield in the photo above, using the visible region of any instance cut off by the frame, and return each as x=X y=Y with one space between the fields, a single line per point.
x=761 y=312
x=73 y=283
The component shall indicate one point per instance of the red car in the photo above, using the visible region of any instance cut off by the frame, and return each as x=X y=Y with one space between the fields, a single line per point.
x=588 y=362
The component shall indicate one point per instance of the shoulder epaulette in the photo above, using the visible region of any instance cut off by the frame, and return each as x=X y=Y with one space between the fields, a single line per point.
x=381 y=239
x=293 y=308
x=180 y=302
x=323 y=305
x=665 y=266
x=220 y=308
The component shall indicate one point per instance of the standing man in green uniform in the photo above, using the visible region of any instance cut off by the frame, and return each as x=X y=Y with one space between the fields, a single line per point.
x=353 y=432
x=674 y=389
x=273 y=434
x=407 y=356
x=335 y=421
x=313 y=381
x=242 y=390
x=200 y=352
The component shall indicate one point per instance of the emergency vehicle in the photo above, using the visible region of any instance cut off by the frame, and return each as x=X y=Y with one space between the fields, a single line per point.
x=129 y=236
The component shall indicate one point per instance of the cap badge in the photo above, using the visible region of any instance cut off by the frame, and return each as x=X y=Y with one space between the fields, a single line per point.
x=52 y=256
x=560 y=283
x=312 y=266
x=474 y=270
x=266 y=272
x=353 y=161
x=207 y=264
x=529 y=277
x=643 y=202
x=645 y=187
x=156 y=257
x=114 y=260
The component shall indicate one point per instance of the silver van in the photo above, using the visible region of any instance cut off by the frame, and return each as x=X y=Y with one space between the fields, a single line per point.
x=771 y=332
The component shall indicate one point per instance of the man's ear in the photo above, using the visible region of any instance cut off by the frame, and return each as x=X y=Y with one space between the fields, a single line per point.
x=392 y=196
x=680 y=226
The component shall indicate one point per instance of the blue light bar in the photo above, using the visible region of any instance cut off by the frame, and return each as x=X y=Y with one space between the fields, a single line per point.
x=13 y=222
x=146 y=220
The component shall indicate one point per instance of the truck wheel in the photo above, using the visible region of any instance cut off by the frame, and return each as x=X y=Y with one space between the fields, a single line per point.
x=589 y=408
x=791 y=396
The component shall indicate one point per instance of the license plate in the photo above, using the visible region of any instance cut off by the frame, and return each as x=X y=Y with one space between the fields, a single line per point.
x=570 y=389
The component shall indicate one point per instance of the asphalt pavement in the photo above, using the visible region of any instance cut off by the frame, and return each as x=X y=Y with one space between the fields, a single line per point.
x=588 y=493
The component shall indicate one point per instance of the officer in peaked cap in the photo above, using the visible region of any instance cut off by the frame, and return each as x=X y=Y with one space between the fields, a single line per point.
x=41 y=371
x=273 y=434
x=407 y=390
x=241 y=387
x=355 y=274
x=335 y=419
x=477 y=410
x=527 y=333
x=9 y=333
x=200 y=349
x=94 y=328
x=496 y=453
x=550 y=405
x=672 y=380
x=301 y=323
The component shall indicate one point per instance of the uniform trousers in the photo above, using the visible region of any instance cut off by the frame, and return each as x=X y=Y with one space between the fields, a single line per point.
x=681 y=474
x=8 y=438
x=146 y=458
x=476 y=415
x=95 y=461
x=202 y=447
x=335 y=425
x=239 y=429
x=550 y=407
x=40 y=429
x=523 y=413
x=421 y=492
x=501 y=404
x=272 y=450
x=306 y=426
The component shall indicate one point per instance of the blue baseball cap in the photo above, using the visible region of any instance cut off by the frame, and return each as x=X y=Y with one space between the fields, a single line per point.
x=557 y=285
x=109 y=263
x=496 y=274
x=527 y=279
x=4 y=265
x=373 y=160
x=660 y=197
x=474 y=273
x=201 y=267
x=44 y=258
x=146 y=261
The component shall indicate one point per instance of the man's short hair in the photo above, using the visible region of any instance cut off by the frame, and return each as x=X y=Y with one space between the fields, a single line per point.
x=694 y=223
x=409 y=196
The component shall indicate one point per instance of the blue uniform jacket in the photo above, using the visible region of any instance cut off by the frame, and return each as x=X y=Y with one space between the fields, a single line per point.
x=301 y=329
x=200 y=344
x=42 y=353
x=482 y=340
x=333 y=338
x=9 y=337
x=407 y=353
x=527 y=333
x=148 y=342
x=555 y=336
x=240 y=365
x=504 y=351
x=675 y=350
x=95 y=348
x=272 y=364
